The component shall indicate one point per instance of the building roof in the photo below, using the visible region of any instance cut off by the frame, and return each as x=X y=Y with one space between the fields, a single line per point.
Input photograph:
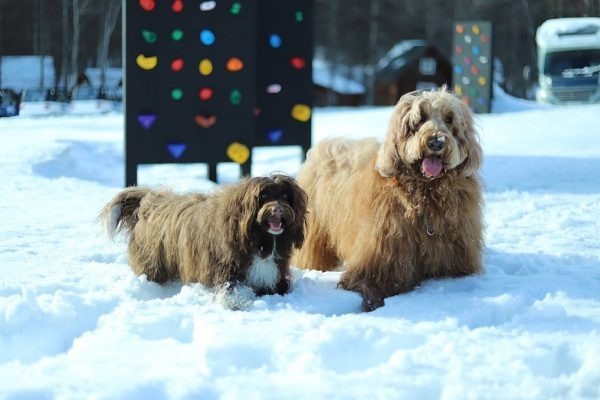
x=400 y=55
x=337 y=81
x=397 y=55
x=22 y=72
x=566 y=33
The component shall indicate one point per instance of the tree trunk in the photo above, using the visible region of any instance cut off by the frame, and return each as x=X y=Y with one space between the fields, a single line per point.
x=75 y=43
x=64 y=66
x=373 y=50
x=0 y=47
x=333 y=47
x=109 y=20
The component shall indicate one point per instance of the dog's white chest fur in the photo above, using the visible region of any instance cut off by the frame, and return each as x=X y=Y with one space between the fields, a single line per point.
x=263 y=273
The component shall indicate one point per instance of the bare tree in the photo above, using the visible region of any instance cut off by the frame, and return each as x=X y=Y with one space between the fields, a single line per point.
x=0 y=46
x=373 y=53
x=109 y=20
x=75 y=42
x=78 y=10
x=64 y=69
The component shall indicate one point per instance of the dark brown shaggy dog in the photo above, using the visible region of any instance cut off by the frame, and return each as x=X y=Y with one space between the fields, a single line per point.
x=400 y=212
x=243 y=233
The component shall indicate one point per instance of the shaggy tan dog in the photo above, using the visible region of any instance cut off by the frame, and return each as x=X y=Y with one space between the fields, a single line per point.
x=243 y=233
x=400 y=212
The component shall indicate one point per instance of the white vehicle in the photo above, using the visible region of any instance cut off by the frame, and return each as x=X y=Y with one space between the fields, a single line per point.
x=569 y=61
x=90 y=100
x=40 y=102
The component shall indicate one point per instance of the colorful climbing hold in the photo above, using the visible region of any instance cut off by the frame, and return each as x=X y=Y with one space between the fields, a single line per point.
x=205 y=67
x=146 y=63
x=275 y=41
x=177 y=64
x=236 y=8
x=301 y=112
x=207 y=37
x=176 y=149
x=298 y=62
x=177 y=6
x=177 y=94
x=235 y=97
x=205 y=93
x=275 y=135
x=177 y=35
x=149 y=36
x=146 y=120
x=274 y=88
x=234 y=64
x=208 y=5
x=147 y=5
x=205 y=122
x=238 y=152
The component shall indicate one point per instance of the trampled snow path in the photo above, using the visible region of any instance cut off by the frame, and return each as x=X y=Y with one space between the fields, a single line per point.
x=75 y=322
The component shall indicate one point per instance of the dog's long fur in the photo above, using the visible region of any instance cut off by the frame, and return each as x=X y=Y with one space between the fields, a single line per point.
x=373 y=208
x=213 y=239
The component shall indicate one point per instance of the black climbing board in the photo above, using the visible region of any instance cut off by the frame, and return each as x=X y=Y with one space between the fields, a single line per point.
x=206 y=81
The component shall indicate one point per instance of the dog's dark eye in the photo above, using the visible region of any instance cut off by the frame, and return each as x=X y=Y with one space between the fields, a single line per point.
x=284 y=196
x=415 y=126
x=449 y=119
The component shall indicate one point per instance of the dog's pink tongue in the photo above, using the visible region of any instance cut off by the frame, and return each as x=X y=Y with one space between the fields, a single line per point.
x=431 y=166
x=275 y=223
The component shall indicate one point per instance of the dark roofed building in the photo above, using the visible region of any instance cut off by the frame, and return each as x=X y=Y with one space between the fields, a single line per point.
x=410 y=65
x=335 y=88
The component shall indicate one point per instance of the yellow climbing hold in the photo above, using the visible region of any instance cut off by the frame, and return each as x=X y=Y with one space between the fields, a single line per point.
x=205 y=67
x=238 y=152
x=301 y=112
x=146 y=63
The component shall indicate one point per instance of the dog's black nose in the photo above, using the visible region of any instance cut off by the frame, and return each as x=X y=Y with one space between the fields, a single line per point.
x=277 y=210
x=436 y=143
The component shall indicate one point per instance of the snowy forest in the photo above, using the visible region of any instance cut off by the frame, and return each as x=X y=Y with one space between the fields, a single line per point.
x=349 y=33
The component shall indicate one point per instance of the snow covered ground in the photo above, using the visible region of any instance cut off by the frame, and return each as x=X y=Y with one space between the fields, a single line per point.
x=76 y=323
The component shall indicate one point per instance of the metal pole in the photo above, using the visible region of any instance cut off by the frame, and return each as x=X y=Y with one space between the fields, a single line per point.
x=373 y=50
x=1 y=36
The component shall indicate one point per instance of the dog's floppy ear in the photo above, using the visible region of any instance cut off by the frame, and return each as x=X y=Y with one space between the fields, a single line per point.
x=388 y=157
x=243 y=208
x=298 y=200
x=474 y=151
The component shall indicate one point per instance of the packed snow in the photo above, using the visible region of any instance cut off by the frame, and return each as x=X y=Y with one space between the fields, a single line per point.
x=75 y=322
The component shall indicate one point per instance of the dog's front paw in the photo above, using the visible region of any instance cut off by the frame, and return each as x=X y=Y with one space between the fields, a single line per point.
x=283 y=287
x=235 y=296
x=371 y=301
x=372 y=296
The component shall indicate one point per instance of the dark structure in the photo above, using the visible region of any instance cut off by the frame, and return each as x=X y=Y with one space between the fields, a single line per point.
x=410 y=65
x=334 y=86
x=326 y=95
x=206 y=81
x=473 y=64
x=9 y=103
